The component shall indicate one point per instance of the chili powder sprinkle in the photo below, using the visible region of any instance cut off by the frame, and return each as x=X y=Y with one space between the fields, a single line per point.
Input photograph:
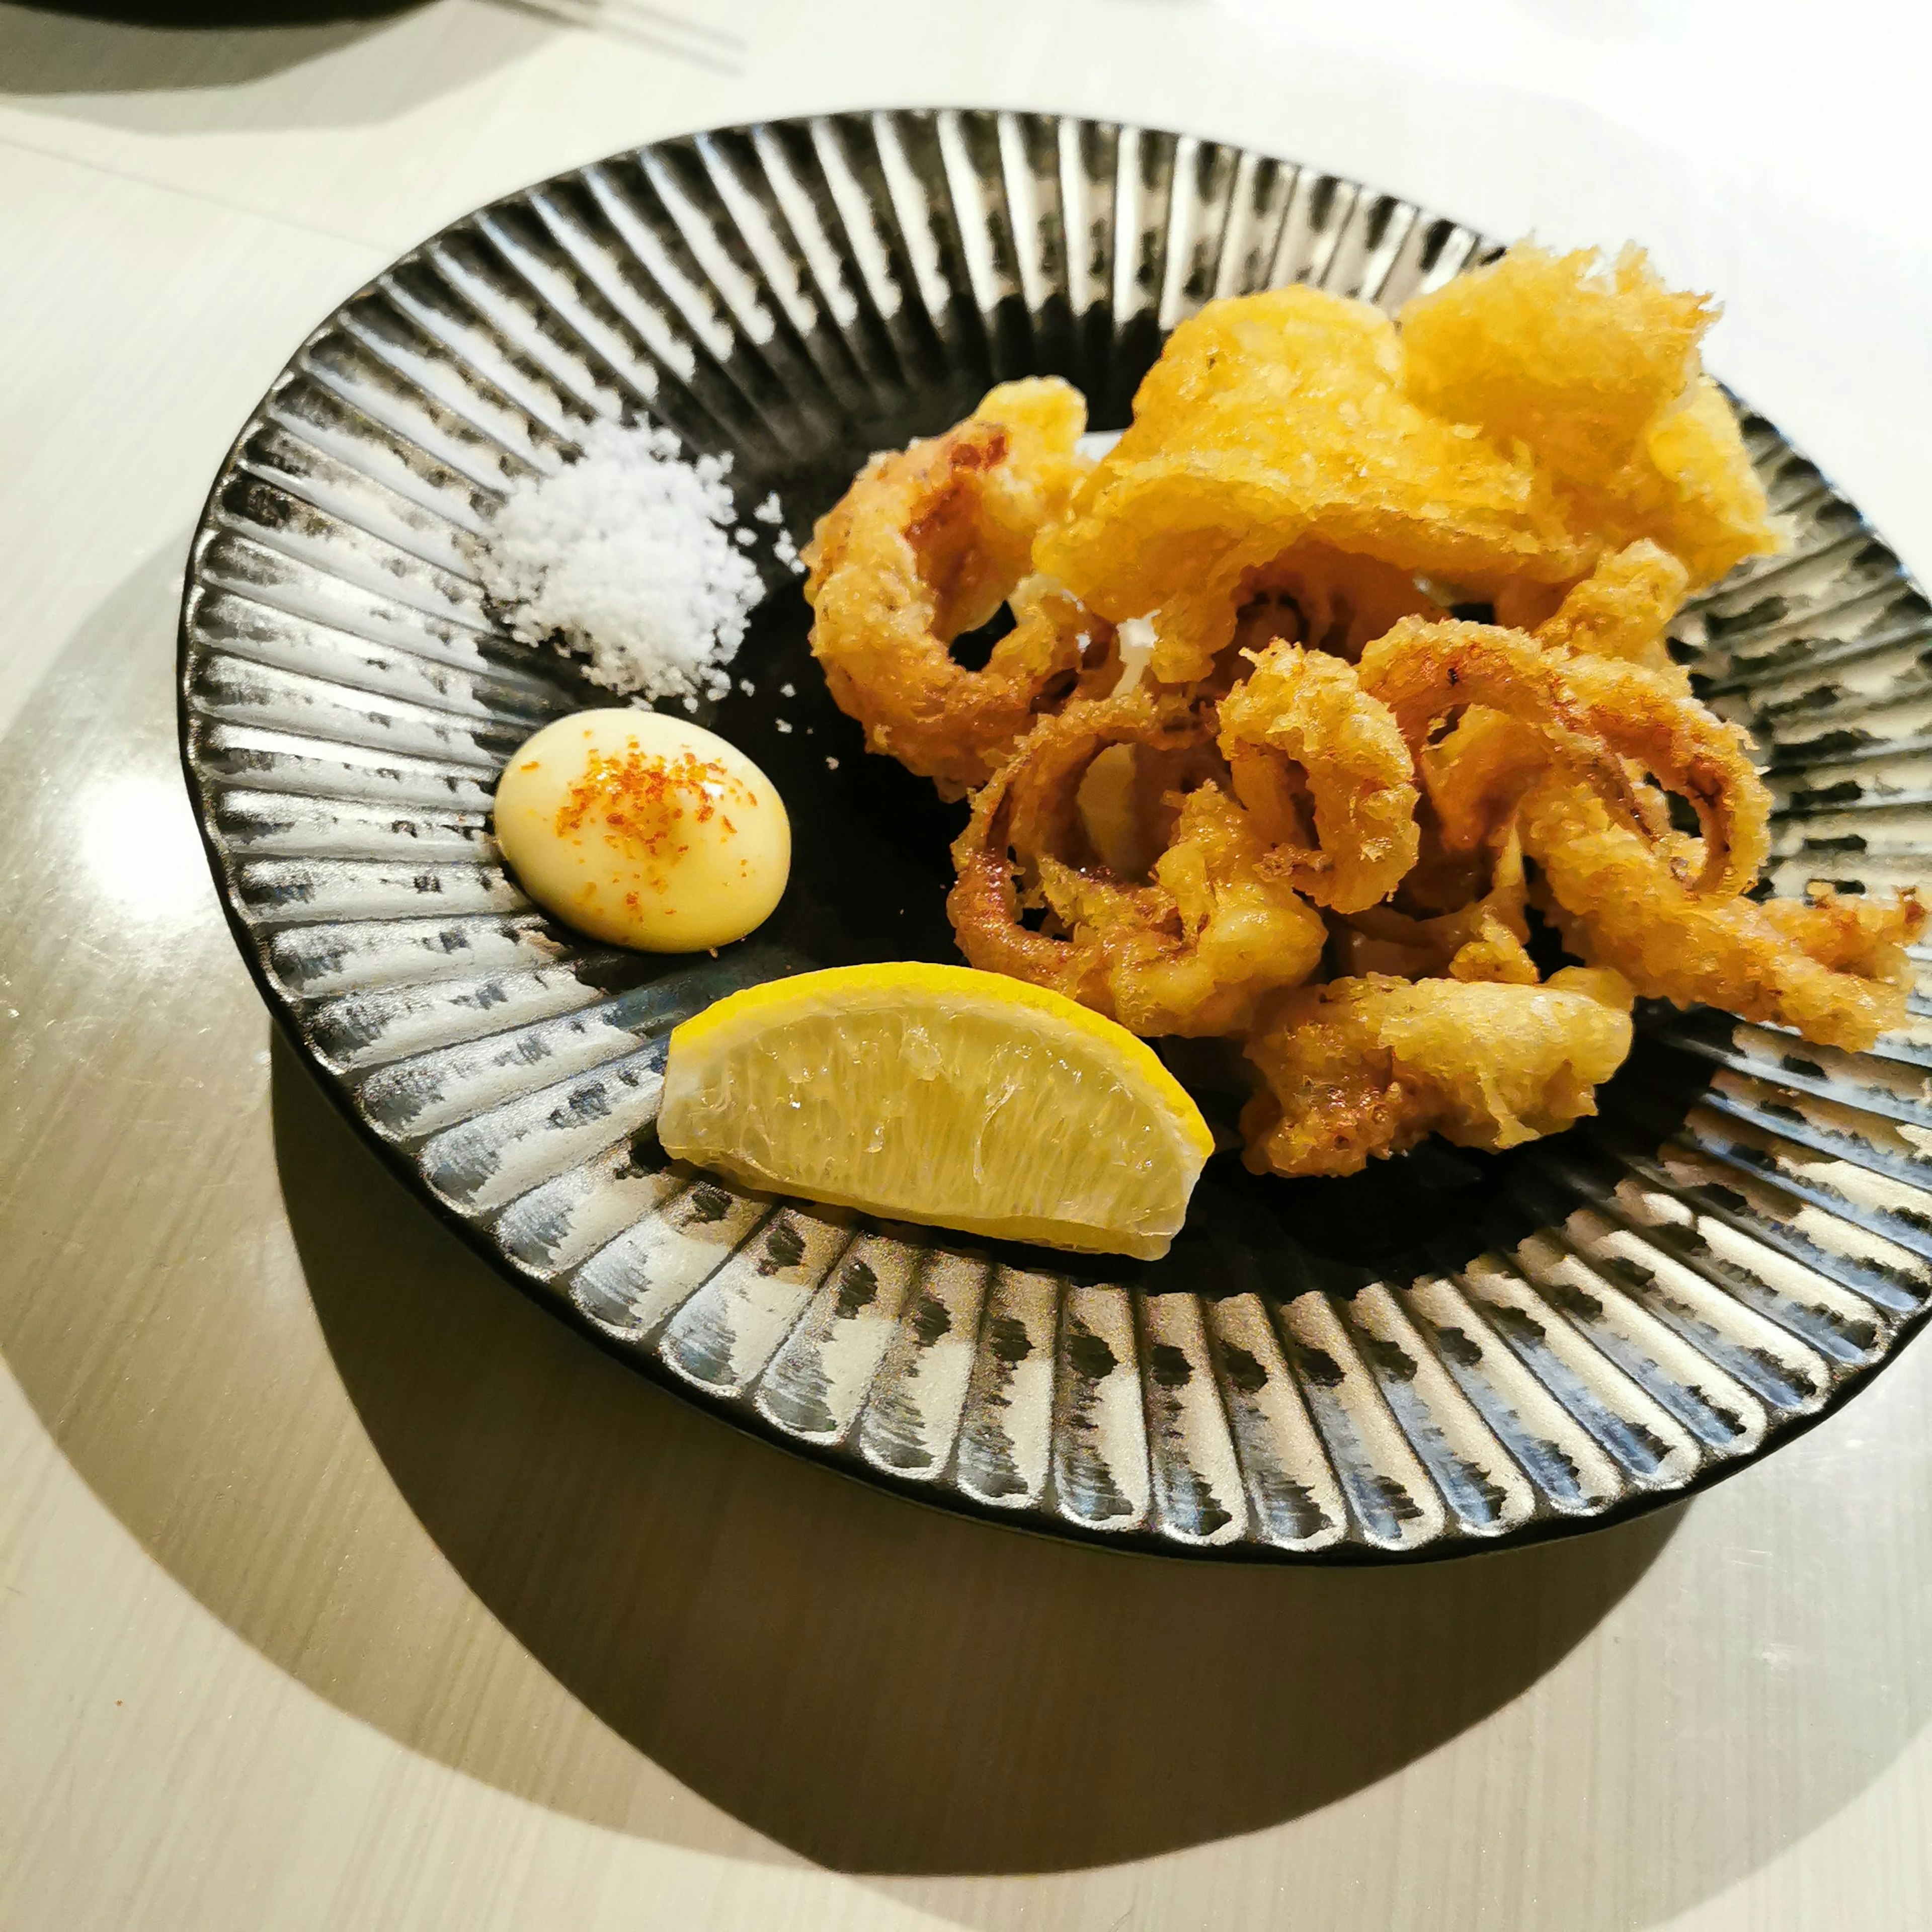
x=643 y=799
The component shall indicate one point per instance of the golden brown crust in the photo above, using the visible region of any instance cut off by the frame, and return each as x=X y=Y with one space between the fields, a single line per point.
x=1303 y=492
x=1300 y=728
x=1597 y=718
x=1834 y=970
x=1361 y=1068
x=1192 y=951
x=927 y=544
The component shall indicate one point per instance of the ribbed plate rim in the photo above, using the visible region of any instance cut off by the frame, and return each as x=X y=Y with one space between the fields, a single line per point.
x=1544 y=1526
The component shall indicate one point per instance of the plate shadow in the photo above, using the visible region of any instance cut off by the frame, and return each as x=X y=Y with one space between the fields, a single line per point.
x=880 y=1686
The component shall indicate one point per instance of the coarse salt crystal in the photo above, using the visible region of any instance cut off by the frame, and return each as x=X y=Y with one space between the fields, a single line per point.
x=627 y=558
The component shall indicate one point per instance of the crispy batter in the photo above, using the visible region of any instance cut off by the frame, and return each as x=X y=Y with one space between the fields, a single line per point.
x=1303 y=492
x=1197 y=953
x=1269 y=417
x=1531 y=417
x=1361 y=1068
x=1593 y=367
x=1834 y=970
x=1485 y=938
x=1475 y=775
x=1328 y=599
x=1555 y=351
x=1128 y=801
x=1304 y=740
x=1622 y=610
x=1696 y=493
x=1595 y=716
x=984 y=905
x=926 y=544
x=1191 y=952
x=1428 y=672
x=1172 y=745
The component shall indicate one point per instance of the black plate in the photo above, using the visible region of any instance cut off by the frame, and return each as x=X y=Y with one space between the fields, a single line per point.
x=1448 y=1353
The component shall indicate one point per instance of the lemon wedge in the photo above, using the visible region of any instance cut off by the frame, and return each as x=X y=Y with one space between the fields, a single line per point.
x=941 y=1094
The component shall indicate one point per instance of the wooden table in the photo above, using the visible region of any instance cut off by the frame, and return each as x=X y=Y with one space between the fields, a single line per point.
x=340 y=1587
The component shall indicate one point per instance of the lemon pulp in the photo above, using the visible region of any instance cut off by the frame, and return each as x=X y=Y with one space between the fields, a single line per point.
x=938 y=1094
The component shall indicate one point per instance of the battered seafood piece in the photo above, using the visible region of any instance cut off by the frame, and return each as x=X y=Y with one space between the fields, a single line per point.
x=1320 y=769
x=1361 y=1068
x=1271 y=418
x=1329 y=599
x=1835 y=970
x=1196 y=952
x=1193 y=951
x=1128 y=802
x=1595 y=367
x=1596 y=717
x=1622 y=610
x=1475 y=775
x=927 y=545
x=1487 y=937
x=1531 y=417
x=1305 y=741
x=1572 y=357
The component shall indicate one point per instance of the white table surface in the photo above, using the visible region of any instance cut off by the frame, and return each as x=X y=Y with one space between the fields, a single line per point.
x=340 y=1588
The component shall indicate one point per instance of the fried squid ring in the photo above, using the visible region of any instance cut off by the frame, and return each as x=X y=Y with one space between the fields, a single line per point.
x=1661 y=727
x=1196 y=952
x=1332 y=600
x=925 y=545
x=1361 y=1068
x=1476 y=776
x=1129 y=802
x=1487 y=939
x=1593 y=714
x=1304 y=740
x=1192 y=952
x=1834 y=970
x=1173 y=749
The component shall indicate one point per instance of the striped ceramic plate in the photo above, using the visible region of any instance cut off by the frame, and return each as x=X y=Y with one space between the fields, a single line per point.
x=1453 y=1351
